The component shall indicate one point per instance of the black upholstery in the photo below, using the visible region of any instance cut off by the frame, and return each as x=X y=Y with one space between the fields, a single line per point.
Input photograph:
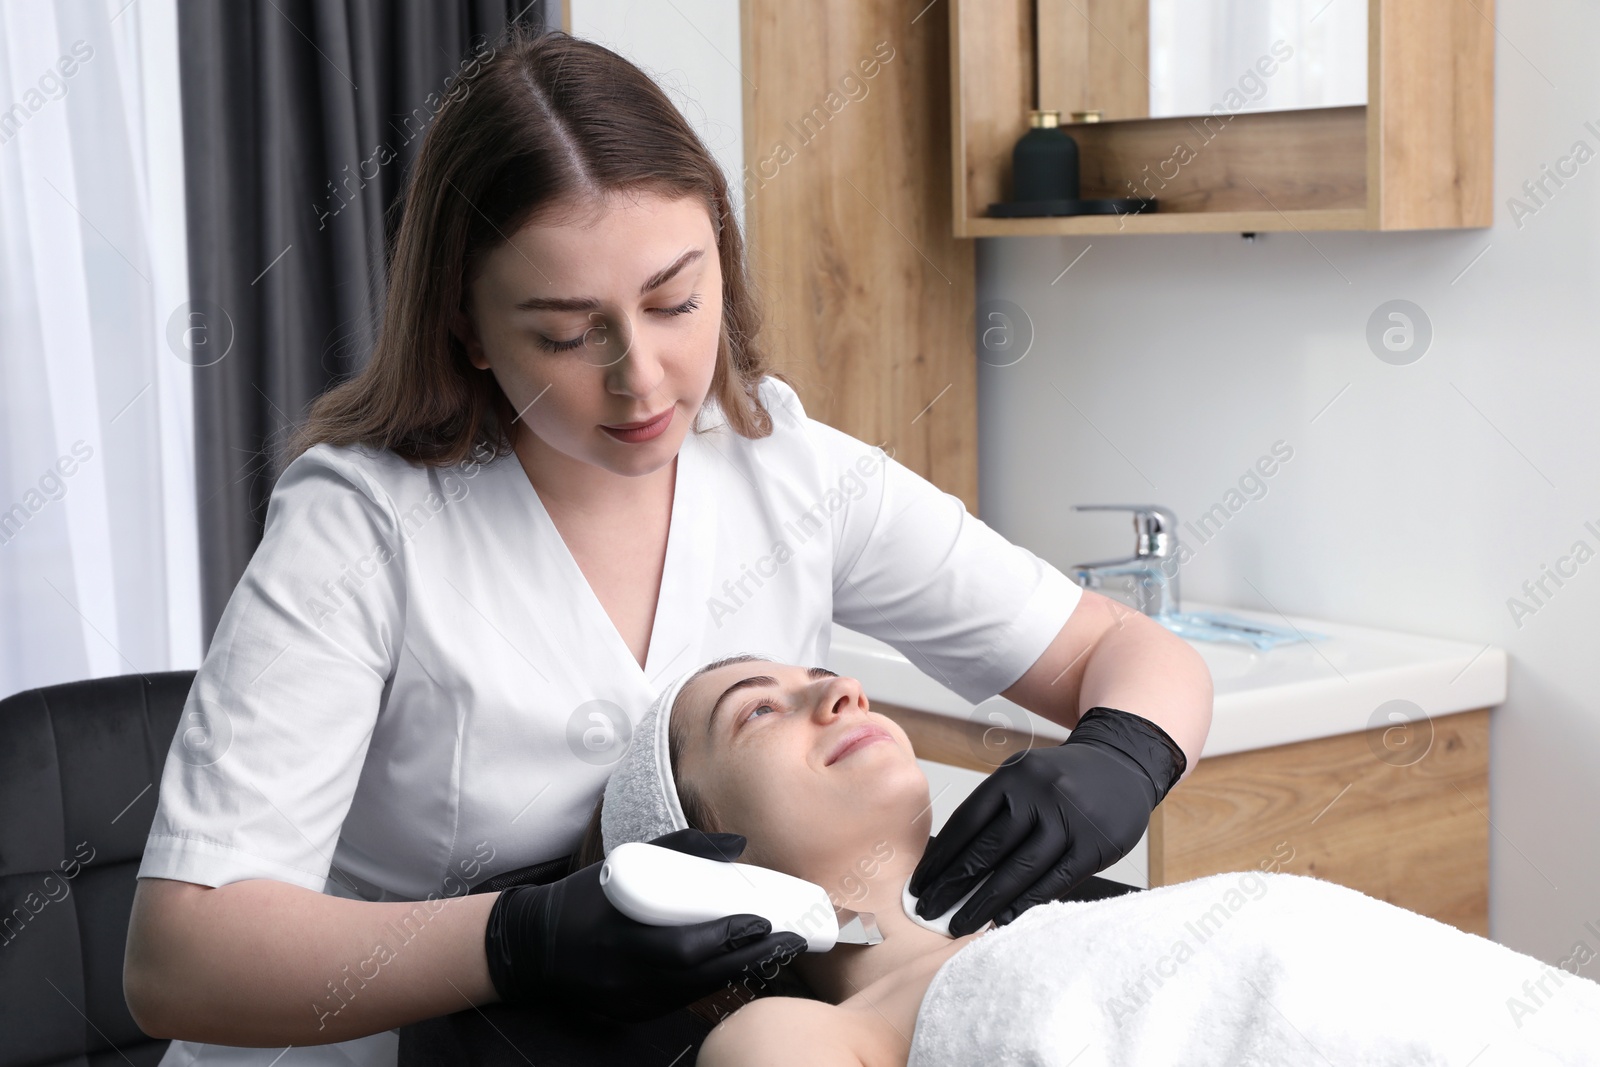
x=80 y=766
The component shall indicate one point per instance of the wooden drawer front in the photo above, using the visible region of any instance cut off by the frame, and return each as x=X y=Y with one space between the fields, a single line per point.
x=1347 y=810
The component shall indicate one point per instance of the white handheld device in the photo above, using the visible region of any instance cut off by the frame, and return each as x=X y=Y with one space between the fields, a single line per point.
x=662 y=887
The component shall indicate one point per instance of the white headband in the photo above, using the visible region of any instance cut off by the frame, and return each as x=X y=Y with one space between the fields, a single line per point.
x=641 y=797
x=641 y=800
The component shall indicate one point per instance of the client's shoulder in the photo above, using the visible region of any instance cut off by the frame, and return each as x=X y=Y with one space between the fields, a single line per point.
x=780 y=1031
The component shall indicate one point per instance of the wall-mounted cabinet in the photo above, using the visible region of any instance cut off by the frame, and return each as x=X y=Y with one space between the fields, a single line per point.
x=1416 y=154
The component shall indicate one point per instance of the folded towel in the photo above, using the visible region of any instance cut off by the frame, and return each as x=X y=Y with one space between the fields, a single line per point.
x=1245 y=969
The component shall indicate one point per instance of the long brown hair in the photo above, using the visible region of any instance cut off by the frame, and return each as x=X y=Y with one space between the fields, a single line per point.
x=546 y=122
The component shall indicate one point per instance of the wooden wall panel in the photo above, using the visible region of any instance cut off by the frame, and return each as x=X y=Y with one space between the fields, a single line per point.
x=869 y=298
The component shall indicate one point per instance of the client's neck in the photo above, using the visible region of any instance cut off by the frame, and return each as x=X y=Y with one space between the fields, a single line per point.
x=848 y=969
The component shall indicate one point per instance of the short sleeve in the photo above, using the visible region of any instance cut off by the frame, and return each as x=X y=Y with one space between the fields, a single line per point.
x=914 y=568
x=264 y=764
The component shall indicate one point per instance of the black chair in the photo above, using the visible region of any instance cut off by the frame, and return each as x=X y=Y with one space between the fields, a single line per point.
x=79 y=770
x=80 y=767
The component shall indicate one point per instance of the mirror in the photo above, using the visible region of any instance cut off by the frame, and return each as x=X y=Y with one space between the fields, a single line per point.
x=1134 y=59
x=1275 y=55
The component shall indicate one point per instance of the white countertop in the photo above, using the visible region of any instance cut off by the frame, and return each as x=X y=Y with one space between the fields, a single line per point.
x=1292 y=693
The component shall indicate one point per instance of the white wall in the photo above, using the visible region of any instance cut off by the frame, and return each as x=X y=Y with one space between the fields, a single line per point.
x=1421 y=499
x=691 y=48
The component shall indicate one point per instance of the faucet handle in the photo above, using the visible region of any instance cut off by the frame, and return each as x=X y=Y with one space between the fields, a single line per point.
x=1155 y=527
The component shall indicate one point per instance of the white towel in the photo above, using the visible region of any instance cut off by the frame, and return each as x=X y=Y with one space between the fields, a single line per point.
x=1246 y=969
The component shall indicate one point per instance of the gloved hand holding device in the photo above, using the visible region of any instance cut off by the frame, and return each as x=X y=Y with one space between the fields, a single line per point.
x=565 y=946
x=1048 y=818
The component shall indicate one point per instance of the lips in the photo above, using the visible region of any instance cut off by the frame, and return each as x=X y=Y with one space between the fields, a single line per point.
x=855 y=737
x=637 y=425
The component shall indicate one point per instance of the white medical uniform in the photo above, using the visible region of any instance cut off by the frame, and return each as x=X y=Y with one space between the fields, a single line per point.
x=414 y=688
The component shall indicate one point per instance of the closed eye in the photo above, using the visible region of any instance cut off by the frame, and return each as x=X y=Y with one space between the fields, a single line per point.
x=562 y=346
x=577 y=342
x=683 y=308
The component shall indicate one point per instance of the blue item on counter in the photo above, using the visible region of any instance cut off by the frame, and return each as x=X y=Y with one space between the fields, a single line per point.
x=1216 y=626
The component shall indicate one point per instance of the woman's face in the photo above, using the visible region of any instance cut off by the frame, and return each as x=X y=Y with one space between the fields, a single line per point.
x=793 y=759
x=598 y=321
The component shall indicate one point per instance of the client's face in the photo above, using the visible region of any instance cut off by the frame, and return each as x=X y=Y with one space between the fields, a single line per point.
x=792 y=758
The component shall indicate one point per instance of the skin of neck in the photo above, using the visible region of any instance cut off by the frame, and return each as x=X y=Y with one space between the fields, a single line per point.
x=573 y=485
x=847 y=969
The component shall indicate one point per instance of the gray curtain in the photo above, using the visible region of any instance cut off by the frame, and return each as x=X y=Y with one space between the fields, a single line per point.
x=300 y=120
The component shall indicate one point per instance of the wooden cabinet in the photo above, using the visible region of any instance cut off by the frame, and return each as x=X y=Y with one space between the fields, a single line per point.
x=1345 y=809
x=1417 y=155
x=1413 y=831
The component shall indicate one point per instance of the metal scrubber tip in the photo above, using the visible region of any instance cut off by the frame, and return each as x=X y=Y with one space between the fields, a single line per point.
x=858 y=928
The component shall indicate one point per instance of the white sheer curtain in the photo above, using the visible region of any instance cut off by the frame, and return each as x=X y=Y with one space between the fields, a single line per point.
x=98 y=556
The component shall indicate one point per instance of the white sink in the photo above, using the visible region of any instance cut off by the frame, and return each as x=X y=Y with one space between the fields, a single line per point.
x=1228 y=661
x=1290 y=693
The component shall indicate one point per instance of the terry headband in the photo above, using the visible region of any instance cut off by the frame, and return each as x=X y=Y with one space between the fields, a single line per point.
x=641 y=797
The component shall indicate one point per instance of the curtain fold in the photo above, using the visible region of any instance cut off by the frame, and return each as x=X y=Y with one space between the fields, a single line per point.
x=300 y=120
x=98 y=572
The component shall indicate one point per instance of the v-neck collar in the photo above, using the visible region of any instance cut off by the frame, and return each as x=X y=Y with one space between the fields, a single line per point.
x=679 y=623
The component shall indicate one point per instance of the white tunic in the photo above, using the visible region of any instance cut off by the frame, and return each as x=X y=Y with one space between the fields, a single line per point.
x=413 y=686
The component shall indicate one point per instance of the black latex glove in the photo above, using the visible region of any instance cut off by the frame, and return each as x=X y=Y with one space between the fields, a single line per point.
x=1048 y=818
x=565 y=946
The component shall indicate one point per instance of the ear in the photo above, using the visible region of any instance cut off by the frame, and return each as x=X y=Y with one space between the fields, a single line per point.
x=461 y=326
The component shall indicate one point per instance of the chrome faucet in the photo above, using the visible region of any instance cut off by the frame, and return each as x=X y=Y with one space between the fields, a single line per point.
x=1153 y=565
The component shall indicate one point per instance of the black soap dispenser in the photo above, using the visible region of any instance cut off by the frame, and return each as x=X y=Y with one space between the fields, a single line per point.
x=1044 y=164
x=1044 y=175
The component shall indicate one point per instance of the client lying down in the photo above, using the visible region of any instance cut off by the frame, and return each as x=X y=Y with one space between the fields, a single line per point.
x=1241 y=968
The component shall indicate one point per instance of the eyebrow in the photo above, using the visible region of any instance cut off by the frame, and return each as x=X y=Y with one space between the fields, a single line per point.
x=589 y=303
x=756 y=682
